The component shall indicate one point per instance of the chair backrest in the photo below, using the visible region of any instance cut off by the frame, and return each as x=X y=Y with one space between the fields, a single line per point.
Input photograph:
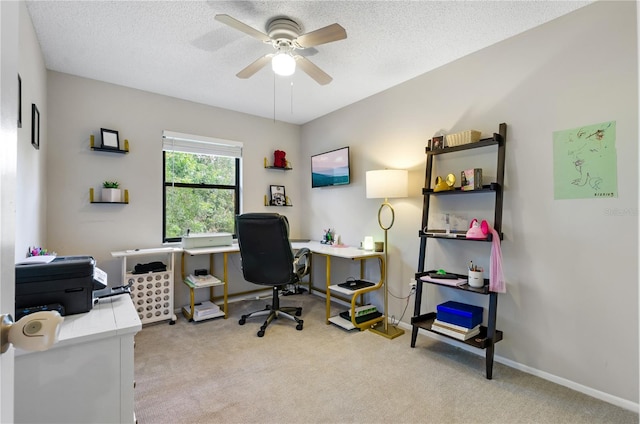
x=265 y=249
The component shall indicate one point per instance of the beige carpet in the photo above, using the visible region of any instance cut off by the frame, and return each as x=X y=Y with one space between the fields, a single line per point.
x=217 y=371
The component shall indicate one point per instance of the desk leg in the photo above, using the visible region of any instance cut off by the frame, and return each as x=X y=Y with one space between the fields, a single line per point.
x=226 y=284
x=182 y=266
x=189 y=314
x=328 y=292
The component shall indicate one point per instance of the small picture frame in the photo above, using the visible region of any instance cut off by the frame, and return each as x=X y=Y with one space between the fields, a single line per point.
x=278 y=197
x=437 y=142
x=35 y=126
x=110 y=139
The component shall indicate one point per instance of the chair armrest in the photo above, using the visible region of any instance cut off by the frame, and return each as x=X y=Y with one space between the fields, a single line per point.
x=300 y=254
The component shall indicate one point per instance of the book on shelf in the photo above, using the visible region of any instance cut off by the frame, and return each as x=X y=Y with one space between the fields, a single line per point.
x=202 y=280
x=205 y=309
x=454 y=327
x=454 y=333
x=447 y=281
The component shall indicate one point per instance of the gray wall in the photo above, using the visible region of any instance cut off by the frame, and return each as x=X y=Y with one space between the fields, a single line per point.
x=79 y=107
x=570 y=265
x=31 y=197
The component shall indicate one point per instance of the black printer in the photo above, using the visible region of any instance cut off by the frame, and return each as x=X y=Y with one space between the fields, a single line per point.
x=66 y=280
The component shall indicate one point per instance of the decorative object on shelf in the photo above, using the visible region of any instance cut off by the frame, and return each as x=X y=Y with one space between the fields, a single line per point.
x=478 y=231
x=93 y=146
x=476 y=278
x=110 y=139
x=436 y=143
x=110 y=192
x=35 y=126
x=92 y=198
x=444 y=185
x=278 y=197
x=368 y=243
x=464 y=137
x=378 y=246
x=279 y=159
x=386 y=183
x=471 y=179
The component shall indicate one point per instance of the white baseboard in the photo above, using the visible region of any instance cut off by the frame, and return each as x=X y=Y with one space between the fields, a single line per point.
x=589 y=391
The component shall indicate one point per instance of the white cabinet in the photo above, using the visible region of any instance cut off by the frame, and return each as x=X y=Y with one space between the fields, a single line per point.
x=88 y=376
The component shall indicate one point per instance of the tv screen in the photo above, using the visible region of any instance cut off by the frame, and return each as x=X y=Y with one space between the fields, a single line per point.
x=330 y=168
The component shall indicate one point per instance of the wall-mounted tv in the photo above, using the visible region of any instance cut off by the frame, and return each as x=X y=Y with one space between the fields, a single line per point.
x=330 y=168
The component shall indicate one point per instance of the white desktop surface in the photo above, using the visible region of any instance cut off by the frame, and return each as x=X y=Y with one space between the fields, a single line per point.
x=347 y=252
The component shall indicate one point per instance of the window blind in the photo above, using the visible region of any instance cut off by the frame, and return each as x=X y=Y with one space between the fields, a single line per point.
x=199 y=144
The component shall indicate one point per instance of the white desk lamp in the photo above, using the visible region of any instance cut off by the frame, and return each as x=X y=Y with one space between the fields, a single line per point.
x=387 y=183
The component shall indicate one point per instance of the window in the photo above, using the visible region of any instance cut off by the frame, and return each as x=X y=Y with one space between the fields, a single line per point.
x=201 y=187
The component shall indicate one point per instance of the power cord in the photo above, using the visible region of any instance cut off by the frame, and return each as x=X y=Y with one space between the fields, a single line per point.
x=411 y=293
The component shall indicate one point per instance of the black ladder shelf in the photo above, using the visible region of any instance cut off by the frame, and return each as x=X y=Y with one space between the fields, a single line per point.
x=489 y=335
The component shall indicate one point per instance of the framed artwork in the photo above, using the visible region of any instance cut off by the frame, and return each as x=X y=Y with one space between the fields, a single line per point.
x=19 y=101
x=110 y=139
x=278 y=197
x=437 y=142
x=35 y=126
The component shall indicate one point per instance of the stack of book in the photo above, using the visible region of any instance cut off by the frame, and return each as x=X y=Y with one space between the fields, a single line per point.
x=202 y=280
x=206 y=310
x=458 y=320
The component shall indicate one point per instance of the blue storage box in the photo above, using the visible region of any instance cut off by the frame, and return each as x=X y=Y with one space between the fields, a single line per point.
x=460 y=314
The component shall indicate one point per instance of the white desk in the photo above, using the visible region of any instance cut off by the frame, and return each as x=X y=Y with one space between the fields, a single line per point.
x=316 y=248
x=87 y=377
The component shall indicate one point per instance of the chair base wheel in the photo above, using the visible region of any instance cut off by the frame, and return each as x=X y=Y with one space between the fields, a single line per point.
x=298 y=312
x=242 y=320
x=299 y=326
x=260 y=333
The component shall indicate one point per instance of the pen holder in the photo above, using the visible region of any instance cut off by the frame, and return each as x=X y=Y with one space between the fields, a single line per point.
x=476 y=279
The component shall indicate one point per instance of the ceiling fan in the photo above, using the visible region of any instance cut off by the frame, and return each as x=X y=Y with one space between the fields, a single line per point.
x=283 y=34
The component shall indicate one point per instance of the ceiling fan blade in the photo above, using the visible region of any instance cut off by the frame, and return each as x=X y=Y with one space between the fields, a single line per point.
x=328 y=34
x=255 y=66
x=320 y=76
x=240 y=26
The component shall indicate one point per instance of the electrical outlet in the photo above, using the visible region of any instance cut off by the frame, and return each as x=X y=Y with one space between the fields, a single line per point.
x=412 y=283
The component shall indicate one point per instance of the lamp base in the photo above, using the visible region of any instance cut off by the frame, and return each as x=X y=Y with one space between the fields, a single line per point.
x=391 y=332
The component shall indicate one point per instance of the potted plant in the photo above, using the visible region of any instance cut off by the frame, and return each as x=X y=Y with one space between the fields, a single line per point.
x=111 y=192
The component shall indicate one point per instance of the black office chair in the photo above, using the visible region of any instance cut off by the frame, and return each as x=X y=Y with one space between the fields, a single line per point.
x=267 y=259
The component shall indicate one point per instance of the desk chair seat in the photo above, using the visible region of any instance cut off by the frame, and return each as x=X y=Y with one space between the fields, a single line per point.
x=267 y=259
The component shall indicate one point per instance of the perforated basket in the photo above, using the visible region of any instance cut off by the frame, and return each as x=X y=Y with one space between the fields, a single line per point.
x=464 y=137
x=152 y=295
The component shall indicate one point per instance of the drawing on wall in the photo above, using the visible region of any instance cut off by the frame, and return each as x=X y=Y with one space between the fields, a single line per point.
x=584 y=162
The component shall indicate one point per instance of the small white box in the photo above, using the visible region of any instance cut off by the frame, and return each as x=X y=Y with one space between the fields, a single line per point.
x=194 y=240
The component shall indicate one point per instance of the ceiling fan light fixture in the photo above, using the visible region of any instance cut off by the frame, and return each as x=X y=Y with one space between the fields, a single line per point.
x=283 y=64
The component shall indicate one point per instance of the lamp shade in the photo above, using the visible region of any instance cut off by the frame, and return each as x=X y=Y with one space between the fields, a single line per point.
x=283 y=64
x=387 y=183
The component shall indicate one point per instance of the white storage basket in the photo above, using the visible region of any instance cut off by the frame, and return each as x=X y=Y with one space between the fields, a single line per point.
x=152 y=295
x=464 y=137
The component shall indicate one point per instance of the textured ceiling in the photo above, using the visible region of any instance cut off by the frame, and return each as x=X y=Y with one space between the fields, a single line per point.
x=176 y=48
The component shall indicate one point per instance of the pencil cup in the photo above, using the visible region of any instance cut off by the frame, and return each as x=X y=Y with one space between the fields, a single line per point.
x=476 y=279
